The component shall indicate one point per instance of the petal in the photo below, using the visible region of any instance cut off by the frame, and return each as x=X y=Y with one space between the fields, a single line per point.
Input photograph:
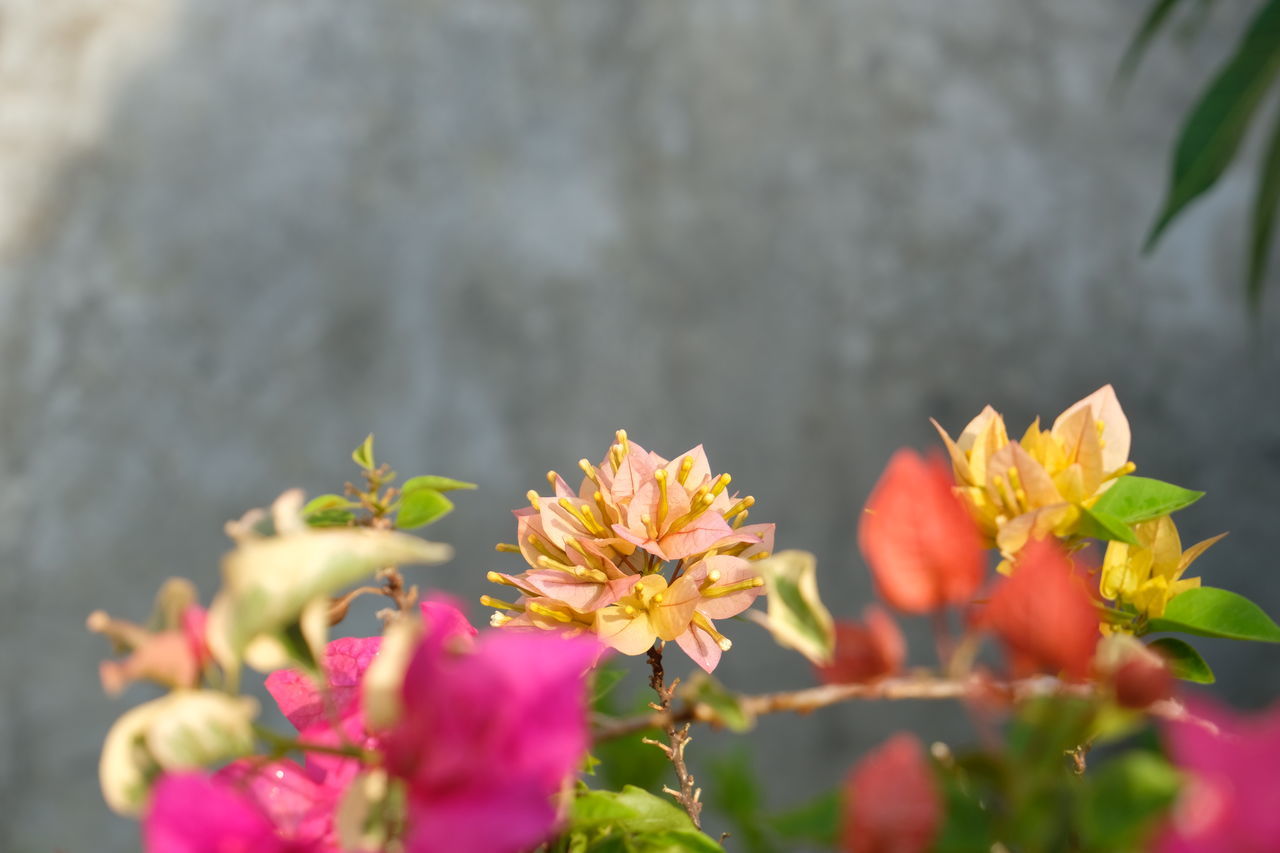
x=1104 y=406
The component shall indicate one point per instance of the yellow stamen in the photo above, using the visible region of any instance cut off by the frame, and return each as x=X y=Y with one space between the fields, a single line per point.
x=545 y=562
x=714 y=576
x=1124 y=470
x=507 y=548
x=541 y=547
x=498 y=620
x=686 y=465
x=721 y=483
x=761 y=556
x=499 y=604
x=740 y=507
x=740 y=520
x=601 y=505
x=590 y=471
x=649 y=526
x=661 y=476
x=705 y=624
x=729 y=589
x=533 y=499
x=628 y=610
x=543 y=610
x=583 y=516
x=552 y=476
x=621 y=435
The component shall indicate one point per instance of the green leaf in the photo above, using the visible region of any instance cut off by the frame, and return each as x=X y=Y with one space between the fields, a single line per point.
x=431 y=481
x=1218 y=121
x=421 y=507
x=1183 y=660
x=1156 y=16
x=321 y=503
x=1264 y=216
x=726 y=704
x=968 y=826
x=634 y=808
x=1211 y=612
x=815 y=822
x=363 y=455
x=1132 y=499
x=1123 y=799
x=1101 y=525
x=797 y=617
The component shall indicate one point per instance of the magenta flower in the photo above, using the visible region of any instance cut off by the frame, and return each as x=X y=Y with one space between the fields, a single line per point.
x=194 y=813
x=488 y=738
x=1233 y=783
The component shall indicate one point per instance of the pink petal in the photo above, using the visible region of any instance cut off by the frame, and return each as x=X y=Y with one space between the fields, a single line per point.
x=700 y=647
x=193 y=813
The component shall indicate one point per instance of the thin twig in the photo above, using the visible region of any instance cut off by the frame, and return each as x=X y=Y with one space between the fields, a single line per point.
x=689 y=796
x=919 y=687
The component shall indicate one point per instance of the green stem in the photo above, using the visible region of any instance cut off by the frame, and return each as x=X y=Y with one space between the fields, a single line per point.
x=280 y=745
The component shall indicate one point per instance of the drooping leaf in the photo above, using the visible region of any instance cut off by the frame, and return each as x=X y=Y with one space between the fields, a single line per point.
x=1132 y=499
x=1151 y=24
x=363 y=455
x=797 y=617
x=1183 y=660
x=1102 y=525
x=431 y=481
x=1122 y=800
x=1212 y=612
x=1221 y=117
x=421 y=507
x=1264 y=215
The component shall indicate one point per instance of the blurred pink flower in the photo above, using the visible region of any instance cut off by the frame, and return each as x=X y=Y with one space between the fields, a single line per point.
x=891 y=802
x=488 y=737
x=194 y=813
x=1231 y=799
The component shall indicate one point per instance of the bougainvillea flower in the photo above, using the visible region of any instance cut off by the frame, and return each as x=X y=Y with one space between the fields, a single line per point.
x=653 y=610
x=488 y=737
x=1148 y=576
x=1031 y=488
x=921 y=545
x=1043 y=613
x=865 y=651
x=1229 y=801
x=727 y=586
x=891 y=801
x=194 y=813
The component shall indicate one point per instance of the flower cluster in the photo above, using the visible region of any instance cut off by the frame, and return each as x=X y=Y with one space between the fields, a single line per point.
x=598 y=556
x=487 y=725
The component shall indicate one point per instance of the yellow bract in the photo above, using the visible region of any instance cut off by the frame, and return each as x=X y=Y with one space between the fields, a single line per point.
x=1035 y=487
x=1149 y=575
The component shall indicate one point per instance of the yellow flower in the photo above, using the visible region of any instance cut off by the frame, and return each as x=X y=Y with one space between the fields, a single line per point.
x=1149 y=575
x=1034 y=487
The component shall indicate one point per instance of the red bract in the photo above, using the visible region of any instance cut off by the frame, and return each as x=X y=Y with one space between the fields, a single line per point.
x=1043 y=614
x=921 y=543
x=891 y=802
x=865 y=651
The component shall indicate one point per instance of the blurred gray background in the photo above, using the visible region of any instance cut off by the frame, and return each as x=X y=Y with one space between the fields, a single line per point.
x=240 y=234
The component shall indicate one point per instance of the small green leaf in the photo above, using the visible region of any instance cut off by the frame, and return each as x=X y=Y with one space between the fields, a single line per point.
x=421 y=507
x=635 y=808
x=324 y=502
x=431 y=481
x=363 y=455
x=1101 y=525
x=815 y=822
x=330 y=518
x=1211 y=612
x=797 y=617
x=725 y=704
x=1218 y=121
x=1155 y=18
x=1183 y=660
x=1123 y=799
x=1264 y=215
x=1133 y=499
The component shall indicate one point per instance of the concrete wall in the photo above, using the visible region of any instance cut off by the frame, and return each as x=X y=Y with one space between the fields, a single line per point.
x=241 y=234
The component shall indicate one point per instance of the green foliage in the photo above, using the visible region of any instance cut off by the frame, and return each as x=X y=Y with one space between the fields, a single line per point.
x=363 y=455
x=329 y=511
x=1121 y=800
x=1132 y=499
x=421 y=507
x=726 y=704
x=797 y=617
x=735 y=793
x=431 y=481
x=1094 y=524
x=625 y=760
x=630 y=821
x=1183 y=660
x=1211 y=612
x=1217 y=124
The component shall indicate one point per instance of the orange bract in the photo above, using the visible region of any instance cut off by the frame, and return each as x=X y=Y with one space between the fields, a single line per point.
x=921 y=543
x=891 y=801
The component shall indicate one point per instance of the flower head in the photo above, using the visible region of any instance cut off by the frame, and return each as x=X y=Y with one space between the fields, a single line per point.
x=1149 y=575
x=892 y=804
x=597 y=555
